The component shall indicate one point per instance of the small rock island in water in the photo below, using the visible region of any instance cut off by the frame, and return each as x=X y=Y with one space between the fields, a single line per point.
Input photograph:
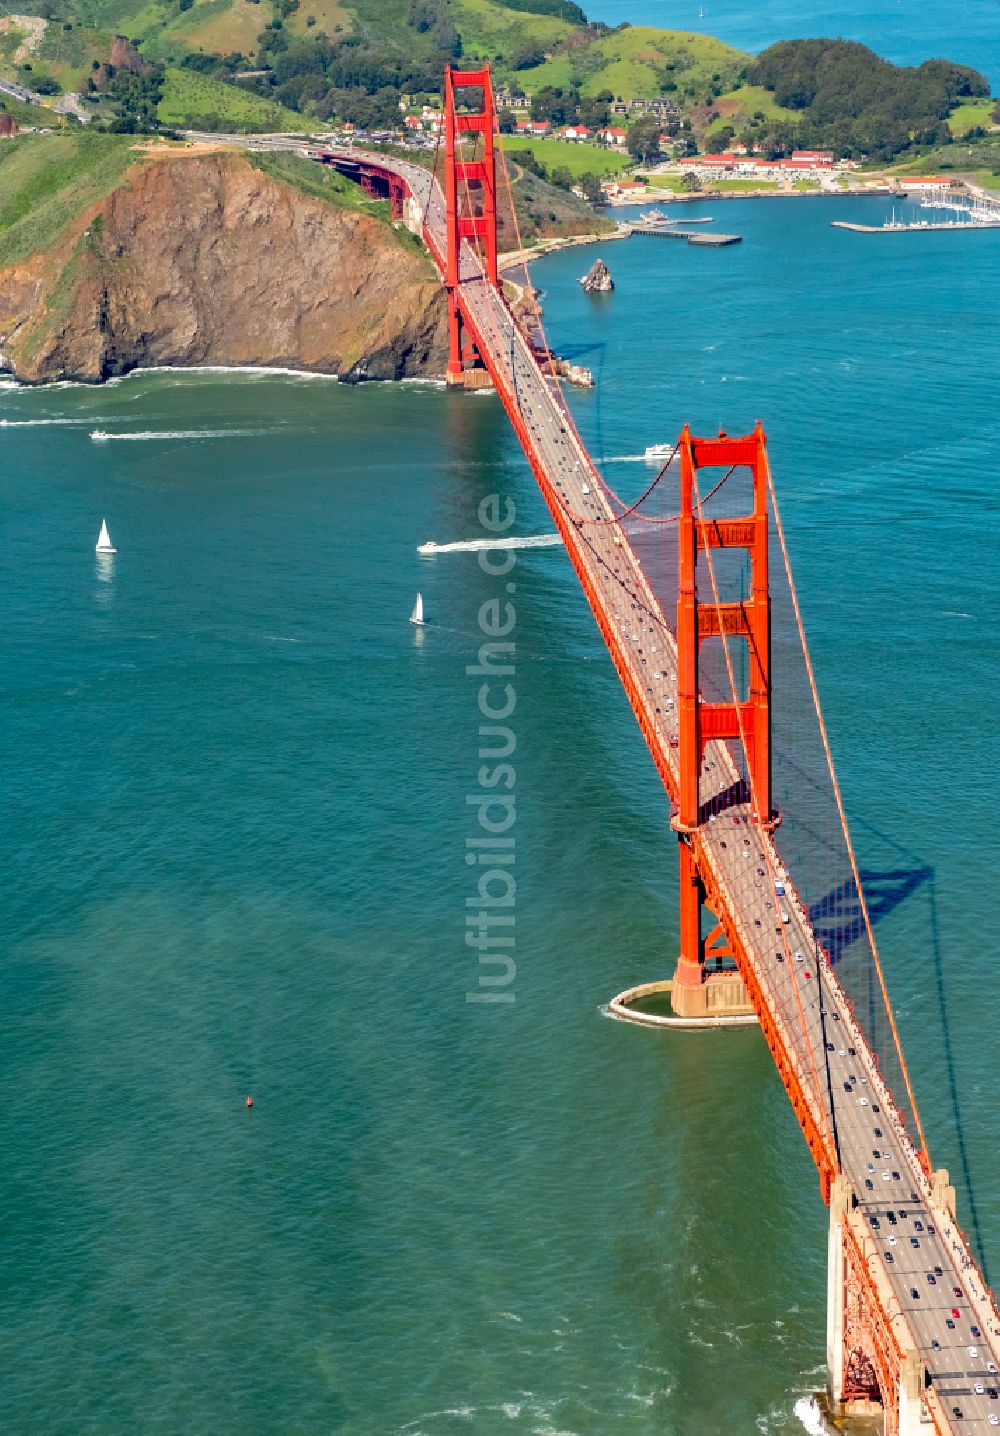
x=598 y=279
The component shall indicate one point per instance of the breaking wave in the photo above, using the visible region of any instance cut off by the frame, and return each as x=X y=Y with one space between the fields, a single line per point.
x=808 y=1412
x=251 y=370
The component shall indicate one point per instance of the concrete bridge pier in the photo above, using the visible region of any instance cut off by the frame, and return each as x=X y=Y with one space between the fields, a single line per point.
x=711 y=995
x=912 y=1418
x=870 y=1375
x=413 y=215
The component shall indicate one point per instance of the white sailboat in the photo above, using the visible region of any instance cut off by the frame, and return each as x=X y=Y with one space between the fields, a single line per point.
x=417 y=616
x=104 y=544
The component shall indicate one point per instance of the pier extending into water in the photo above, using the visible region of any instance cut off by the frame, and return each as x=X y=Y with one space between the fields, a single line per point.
x=666 y=231
x=978 y=211
x=917 y=226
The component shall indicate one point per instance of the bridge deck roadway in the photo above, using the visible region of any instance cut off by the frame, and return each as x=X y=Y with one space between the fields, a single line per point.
x=922 y=1254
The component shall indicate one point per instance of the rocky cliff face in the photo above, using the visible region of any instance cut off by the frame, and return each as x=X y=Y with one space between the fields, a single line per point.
x=205 y=260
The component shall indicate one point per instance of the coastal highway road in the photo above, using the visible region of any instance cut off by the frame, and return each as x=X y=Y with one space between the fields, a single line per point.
x=70 y=104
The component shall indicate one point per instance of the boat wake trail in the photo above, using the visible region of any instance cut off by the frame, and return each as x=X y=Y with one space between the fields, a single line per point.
x=146 y=435
x=36 y=423
x=478 y=545
x=656 y=454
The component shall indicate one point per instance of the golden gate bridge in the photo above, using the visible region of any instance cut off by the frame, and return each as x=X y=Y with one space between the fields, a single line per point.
x=695 y=600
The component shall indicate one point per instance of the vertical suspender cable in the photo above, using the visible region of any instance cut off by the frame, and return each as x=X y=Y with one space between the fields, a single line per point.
x=824 y=1112
x=843 y=817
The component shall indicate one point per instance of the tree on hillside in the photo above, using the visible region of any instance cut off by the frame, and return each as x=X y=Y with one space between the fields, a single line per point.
x=371 y=112
x=527 y=161
x=527 y=57
x=719 y=142
x=135 y=92
x=643 y=140
x=433 y=17
x=554 y=104
x=590 y=187
x=777 y=142
x=595 y=110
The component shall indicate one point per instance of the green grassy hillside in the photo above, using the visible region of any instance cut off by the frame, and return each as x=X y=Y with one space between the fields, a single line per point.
x=488 y=29
x=748 y=102
x=47 y=180
x=563 y=154
x=198 y=101
x=640 y=62
x=166 y=31
x=385 y=24
x=975 y=114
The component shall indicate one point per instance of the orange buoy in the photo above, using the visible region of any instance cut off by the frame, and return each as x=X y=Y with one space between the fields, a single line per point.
x=249 y=1101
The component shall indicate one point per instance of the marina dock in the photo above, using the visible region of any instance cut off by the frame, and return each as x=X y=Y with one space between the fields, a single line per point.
x=919 y=226
x=665 y=231
x=977 y=211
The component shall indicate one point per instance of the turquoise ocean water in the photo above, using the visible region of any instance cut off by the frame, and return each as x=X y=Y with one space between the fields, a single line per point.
x=235 y=829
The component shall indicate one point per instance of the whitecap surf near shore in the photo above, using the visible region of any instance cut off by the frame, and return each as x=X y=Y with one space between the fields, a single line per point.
x=250 y=371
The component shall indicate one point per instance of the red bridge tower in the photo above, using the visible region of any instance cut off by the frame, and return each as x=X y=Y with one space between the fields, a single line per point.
x=696 y=989
x=474 y=182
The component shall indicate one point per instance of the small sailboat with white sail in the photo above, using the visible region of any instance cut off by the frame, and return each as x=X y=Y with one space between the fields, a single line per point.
x=417 y=616
x=104 y=544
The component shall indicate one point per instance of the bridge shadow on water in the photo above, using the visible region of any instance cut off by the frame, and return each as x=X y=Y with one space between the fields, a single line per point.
x=837 y=917
x=839 y=923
